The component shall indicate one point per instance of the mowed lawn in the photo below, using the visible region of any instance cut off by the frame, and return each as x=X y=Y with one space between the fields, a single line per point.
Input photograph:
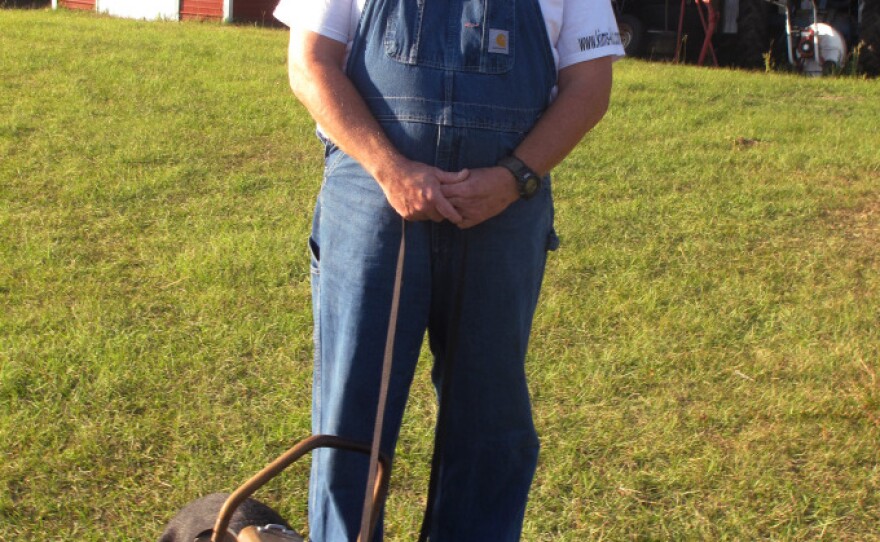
x=705 y=363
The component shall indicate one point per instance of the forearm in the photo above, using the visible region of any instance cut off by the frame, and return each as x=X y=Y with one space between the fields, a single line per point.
x=584 y=91
x=319 y=82
x=317 y=79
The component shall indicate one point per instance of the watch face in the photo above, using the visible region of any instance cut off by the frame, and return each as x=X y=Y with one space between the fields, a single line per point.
x=531 y=185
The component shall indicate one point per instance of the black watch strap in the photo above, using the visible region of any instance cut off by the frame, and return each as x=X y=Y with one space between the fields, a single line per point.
x=527 y=181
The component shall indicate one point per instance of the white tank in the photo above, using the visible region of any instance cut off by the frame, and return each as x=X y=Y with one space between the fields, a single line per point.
x=832 y=49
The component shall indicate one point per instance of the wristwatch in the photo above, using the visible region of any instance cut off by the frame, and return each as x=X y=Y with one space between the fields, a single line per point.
x=527 y=181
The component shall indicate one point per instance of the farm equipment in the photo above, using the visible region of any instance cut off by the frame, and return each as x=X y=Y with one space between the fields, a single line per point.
x=815 y=49
x=813 y=36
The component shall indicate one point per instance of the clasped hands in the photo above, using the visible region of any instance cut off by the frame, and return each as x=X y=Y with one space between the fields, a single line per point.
x=466 y=198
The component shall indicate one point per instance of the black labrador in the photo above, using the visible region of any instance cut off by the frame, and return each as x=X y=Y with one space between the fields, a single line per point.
x=196 y=521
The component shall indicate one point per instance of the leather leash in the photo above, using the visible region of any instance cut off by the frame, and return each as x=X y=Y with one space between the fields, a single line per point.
x=366 y=524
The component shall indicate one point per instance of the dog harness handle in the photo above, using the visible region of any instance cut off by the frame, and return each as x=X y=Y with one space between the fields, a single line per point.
x=285 y=460
x=379 y=474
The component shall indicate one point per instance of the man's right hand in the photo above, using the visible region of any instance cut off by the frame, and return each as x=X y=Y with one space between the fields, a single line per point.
x=320 y=83
x=413 y=190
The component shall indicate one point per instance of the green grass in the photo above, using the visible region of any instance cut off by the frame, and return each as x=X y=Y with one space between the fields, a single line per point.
x=704 y=363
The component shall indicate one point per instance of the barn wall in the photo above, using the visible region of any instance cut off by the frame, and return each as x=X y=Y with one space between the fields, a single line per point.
x=259 y=11
x=77 y=4
x=201 y=9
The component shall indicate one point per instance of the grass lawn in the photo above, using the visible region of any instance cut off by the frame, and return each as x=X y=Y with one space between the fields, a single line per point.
x=704 y=364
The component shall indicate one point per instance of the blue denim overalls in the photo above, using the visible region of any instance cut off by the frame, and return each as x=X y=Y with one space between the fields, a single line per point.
x=456 y=84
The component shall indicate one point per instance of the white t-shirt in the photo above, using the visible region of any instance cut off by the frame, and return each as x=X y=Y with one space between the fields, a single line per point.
x=579 y=30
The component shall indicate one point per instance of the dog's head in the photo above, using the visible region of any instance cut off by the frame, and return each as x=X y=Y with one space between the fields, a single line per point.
x=195 y=522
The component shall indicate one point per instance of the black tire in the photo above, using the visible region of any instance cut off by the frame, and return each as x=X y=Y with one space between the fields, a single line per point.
x=869 y=36
x=632 y=32
x=752 y=33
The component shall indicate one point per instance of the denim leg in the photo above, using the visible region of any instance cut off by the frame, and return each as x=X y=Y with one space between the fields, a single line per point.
x=354 y=243
x=490 y=445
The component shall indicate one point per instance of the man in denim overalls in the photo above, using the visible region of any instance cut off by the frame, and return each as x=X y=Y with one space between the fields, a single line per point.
x=449 y=114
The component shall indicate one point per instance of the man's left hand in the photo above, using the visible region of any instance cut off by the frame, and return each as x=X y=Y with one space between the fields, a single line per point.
x=482 y=194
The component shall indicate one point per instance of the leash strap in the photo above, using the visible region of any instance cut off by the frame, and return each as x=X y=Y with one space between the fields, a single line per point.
x=443 y=414
x=366 y=515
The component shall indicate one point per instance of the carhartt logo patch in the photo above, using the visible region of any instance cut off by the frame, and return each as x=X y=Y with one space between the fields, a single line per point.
x=499 y=41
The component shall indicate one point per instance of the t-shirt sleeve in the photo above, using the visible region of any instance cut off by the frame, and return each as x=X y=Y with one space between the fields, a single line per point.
x=330 y=18
x=589 y=30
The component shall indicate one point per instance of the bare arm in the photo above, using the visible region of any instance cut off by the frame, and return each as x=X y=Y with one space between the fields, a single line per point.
x=584 y=92
x=318 y=80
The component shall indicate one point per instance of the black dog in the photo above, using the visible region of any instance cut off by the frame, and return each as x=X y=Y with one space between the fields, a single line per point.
x=198 y=518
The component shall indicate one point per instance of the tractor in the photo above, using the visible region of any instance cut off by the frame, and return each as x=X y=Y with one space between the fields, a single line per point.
x=813 y=36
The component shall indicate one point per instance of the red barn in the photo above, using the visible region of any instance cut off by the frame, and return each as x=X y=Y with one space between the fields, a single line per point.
x=78 y=4
x=258 y=11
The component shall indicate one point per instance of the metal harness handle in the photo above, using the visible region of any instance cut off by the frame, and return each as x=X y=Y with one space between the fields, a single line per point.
x=379 y=466
x=380 y=489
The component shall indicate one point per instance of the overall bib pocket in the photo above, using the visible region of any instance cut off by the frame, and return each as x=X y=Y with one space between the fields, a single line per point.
x=479 y=36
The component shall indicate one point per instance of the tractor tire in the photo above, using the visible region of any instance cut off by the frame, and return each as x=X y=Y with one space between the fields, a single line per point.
x=632 y=32
x=752 y=33
x=869 y=37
